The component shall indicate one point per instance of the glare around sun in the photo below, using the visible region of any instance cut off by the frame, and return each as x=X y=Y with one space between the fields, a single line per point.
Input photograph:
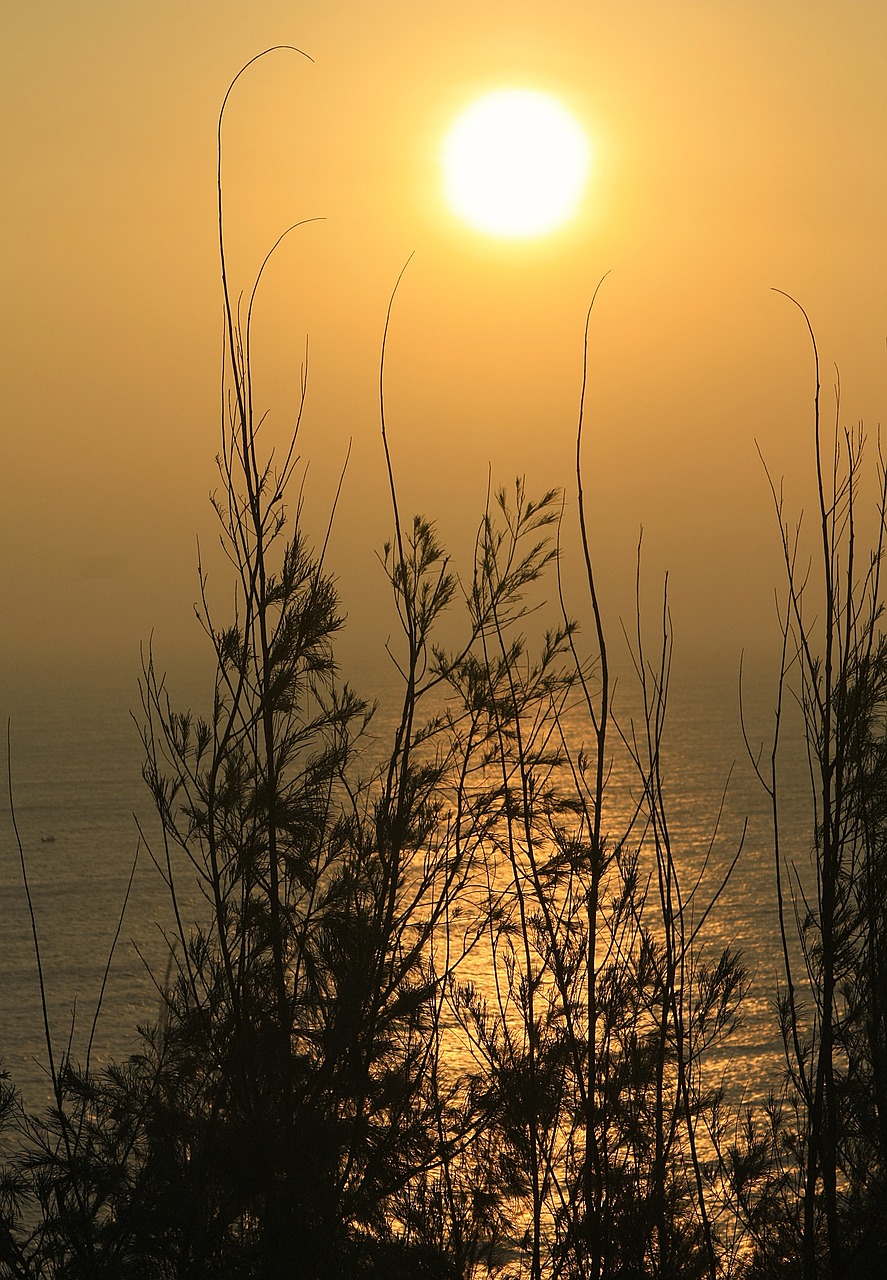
x=515 y=164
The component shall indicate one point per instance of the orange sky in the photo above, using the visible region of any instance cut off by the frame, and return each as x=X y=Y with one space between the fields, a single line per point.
x=740 y=146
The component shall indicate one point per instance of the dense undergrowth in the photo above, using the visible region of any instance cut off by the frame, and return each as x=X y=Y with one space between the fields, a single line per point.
x=326 y=1093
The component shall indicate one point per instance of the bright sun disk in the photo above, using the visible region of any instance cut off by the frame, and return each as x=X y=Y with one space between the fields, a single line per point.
x=515 y=164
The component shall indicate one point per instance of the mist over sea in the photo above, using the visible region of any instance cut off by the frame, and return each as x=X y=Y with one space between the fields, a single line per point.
x=76 y=770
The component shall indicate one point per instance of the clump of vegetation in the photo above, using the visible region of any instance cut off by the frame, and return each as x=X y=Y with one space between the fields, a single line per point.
x=440 y=1018
x=811 y=1185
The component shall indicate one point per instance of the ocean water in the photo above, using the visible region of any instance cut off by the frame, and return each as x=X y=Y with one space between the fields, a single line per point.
x=77 y=792
x=75 y=760
x=718 y=816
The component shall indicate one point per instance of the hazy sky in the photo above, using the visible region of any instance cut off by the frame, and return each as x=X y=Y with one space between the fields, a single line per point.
x=739 y=146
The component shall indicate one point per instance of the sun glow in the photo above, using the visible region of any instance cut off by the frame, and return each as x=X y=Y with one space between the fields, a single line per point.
x=515 y=164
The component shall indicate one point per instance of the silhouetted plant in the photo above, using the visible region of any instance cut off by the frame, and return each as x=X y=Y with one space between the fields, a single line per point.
x=819 y=1206
x=596 y=1003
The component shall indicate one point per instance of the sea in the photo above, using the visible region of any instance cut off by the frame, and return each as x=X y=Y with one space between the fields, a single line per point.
x=79 y=818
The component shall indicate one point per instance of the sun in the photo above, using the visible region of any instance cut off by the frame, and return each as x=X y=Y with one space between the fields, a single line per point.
x=515 y=163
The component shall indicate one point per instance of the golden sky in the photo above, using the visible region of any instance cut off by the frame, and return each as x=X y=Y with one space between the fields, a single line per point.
x=739 y=146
